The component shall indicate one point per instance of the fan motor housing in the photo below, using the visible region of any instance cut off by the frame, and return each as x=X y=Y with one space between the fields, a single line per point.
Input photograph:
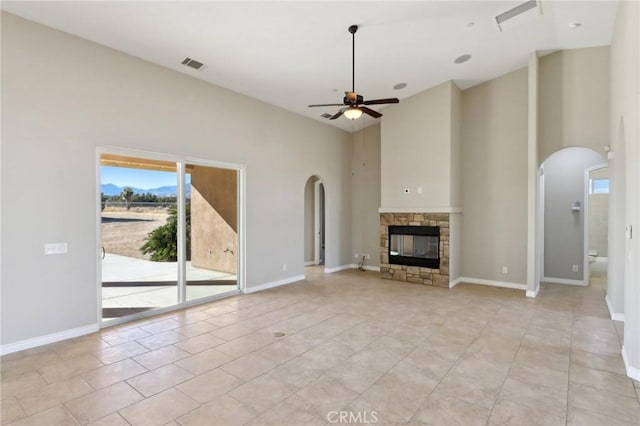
x=358 y=100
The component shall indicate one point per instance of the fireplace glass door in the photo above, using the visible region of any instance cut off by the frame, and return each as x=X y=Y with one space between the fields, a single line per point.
x=414 y=246
x=425 y=247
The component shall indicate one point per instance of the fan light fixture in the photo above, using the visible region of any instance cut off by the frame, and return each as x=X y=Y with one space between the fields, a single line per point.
x=354 y=105
x=353 y=113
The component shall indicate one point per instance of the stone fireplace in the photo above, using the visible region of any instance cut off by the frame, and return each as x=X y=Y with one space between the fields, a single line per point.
x=407 y=251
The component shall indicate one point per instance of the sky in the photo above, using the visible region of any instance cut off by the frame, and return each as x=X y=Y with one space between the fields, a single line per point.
x=138 y=178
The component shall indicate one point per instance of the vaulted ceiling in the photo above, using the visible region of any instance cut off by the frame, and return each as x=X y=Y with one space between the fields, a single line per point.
x=292 y=54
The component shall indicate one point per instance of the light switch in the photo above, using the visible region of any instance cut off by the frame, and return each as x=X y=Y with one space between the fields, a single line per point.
x=56 y=248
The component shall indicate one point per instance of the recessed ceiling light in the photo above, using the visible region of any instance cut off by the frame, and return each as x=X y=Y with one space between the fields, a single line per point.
x=400 y=86
x=462 y=58
x=575 y=24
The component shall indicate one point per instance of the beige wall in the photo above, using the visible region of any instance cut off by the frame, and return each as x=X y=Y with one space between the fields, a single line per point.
x=214 y=216
x=365 y=194
x=62 y=97
x=416 y=150
x=494 y=179
x=624 y=274
x=573 y=102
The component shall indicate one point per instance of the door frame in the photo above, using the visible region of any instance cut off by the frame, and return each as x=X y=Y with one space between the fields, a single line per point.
x=180 y=161
x=585 y=239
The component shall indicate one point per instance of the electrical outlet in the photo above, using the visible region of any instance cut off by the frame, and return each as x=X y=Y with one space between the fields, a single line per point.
x=505 y=270
x=284 y=267
x=575 y=268
x=367 y=256
x=419 y=190
x=357 y=256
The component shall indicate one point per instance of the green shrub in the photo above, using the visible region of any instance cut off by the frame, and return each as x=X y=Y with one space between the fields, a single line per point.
x=162 y=242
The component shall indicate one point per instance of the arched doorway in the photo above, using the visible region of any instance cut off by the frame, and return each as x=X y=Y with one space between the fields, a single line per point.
x=314 y=222
x=564 y=208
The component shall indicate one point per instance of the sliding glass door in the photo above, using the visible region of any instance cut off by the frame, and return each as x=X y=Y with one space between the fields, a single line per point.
x=169 y=233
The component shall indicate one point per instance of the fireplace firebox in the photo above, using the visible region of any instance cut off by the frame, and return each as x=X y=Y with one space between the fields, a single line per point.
x=414 y=246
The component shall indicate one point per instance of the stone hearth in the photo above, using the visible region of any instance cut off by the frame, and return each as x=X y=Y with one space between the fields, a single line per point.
x=415 y=274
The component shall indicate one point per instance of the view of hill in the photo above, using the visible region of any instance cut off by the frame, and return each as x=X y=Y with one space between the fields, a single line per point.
x=110 y=189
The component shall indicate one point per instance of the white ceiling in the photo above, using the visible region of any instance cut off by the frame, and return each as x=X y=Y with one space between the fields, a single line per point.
x=292 y=54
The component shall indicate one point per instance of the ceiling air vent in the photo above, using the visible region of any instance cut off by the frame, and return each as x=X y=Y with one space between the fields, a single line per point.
x=193 y=63
x=325 y=115
x=522 y=11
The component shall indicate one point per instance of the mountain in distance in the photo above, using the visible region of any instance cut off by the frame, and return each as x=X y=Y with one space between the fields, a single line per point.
x=110 y=189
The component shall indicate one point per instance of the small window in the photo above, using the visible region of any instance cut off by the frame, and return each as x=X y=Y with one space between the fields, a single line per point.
x=599 y=186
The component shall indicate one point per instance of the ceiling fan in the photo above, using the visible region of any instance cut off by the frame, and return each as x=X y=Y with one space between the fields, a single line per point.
x=354 y=104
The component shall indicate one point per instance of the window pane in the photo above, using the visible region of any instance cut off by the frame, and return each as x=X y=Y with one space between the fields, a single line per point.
x=139 y=243
x=599 y=186
x=212 y=232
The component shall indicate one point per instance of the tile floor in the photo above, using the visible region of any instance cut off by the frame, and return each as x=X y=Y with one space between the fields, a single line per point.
x=355 y=348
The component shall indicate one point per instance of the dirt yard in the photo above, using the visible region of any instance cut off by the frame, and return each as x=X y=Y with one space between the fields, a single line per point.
x=124 y=232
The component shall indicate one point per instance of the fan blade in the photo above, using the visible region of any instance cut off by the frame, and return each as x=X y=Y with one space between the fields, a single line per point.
x=381 y=101
x=338 y=114
x=325 y=105
x=372 y=113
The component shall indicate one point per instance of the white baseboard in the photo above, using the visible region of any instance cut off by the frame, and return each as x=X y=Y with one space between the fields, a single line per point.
x=563 y=281
x=632 y=372
x=339 y=268
x=47 y=339
x=273 y=284
x=533 y=293
x=614 y=316
x=309 y=263
x=491 y=283
x=602 y=259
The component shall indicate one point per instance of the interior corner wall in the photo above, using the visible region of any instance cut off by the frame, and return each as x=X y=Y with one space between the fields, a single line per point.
x=416 y=150
x=494 y=179
x=365 y=195
x=573 y=105
x=63 y=96
x=455 y=194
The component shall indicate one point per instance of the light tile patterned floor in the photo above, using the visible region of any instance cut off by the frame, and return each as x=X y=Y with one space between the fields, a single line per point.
x=356 y=348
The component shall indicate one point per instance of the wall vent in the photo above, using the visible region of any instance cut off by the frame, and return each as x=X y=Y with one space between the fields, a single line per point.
x=193 y=63
x=517 y=12
x=326 y=115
